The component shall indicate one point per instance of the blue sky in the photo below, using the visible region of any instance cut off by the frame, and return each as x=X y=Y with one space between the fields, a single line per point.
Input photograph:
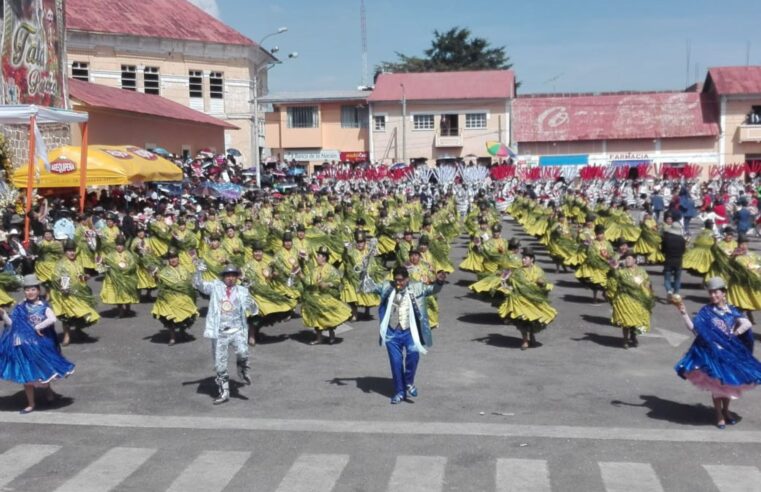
x=587 y=45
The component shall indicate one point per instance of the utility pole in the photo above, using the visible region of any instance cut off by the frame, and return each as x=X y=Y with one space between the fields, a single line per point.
x=747 y=54
x=687 y=67
x=363 y=27
x=404 y=124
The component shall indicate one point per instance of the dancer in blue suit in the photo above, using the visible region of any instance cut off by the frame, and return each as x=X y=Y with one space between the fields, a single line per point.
x=404 y=328
x=720 y=359
x=29 y=349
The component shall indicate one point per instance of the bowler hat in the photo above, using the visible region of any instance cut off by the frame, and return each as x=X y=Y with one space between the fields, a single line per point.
x=324 y=251
x=715 y=283
x=229 y=269
x=30 y=280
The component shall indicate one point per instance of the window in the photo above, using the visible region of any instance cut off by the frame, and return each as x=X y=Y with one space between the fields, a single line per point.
x=353 y=117
x=151 y=80
x=303 y=117
x=216 y=85
x=422 y=122
x=80 y=71
x=129 y=77
x=195 y=83
x=475 y=120
x=754 y=118
x=379 y=123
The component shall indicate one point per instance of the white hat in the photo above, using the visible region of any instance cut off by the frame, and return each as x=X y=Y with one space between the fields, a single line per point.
x=13 y=232
x=715 y=283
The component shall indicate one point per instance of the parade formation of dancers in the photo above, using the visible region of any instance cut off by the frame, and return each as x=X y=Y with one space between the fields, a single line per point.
x=333 y=256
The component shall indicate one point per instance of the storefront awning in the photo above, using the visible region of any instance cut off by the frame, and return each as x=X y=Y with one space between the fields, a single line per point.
x=630 y=162
x=107 y=165
x=564 y=160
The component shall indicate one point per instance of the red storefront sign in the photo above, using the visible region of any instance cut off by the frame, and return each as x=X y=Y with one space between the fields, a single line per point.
x=62 y=166
x=355 y=156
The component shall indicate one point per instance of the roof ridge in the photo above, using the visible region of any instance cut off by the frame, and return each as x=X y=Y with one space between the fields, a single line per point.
x=164 y=19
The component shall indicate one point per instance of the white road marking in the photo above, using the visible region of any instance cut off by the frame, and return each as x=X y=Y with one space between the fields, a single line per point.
x=518 y=475
x=108 y=471
x=211 y=471
x=20 y=458
x=674 y=339
x=314 y=473
x=343 y=328
x=629 y=477
x=486 y=429
x=735 y=478
x=418 y=473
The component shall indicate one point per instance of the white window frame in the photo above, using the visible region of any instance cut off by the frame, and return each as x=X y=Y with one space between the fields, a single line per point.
x=83 y=66
x=425 y=128
x=479 y=127
x=152 y=71
x=191 y=75
x=385 y=122
x=217 y=94
x=129 y=69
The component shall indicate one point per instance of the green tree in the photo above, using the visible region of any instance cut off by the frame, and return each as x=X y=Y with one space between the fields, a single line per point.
x=453 y=50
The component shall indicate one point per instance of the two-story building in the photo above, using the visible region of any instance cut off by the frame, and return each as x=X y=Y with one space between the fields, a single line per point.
x=316 y=127
x=173 y=49
x=439 y=115
x=671 y=128
x=737 y=93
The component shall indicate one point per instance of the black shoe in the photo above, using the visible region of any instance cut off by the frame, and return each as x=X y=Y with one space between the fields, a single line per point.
x=245 y=377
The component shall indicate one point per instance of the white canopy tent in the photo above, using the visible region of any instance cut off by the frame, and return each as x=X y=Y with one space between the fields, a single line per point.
x=31 y=115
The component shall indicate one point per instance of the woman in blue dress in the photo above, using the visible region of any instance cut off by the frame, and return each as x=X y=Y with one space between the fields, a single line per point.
x=720 y=359
x=29 y=349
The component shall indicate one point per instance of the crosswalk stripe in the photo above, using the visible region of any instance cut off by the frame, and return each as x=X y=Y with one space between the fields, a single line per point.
x=735 y=478
x=211 y=471
x=418 y=473
x=517 y=475
x=314 y=473
x=18 y=459
x=108 y=471
x=629 y=477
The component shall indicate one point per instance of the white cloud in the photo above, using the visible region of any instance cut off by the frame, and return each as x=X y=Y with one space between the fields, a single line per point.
x=211 y=7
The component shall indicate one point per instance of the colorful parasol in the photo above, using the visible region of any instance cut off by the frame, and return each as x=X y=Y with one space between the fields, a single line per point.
x=498 y=149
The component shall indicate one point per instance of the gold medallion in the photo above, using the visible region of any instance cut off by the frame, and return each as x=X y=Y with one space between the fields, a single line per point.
x=227 y=306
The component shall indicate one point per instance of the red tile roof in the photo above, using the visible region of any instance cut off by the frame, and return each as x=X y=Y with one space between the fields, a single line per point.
x=735 y=80
x=432 y=86
x=101 y=96
x=170 y=19
x=614 y=117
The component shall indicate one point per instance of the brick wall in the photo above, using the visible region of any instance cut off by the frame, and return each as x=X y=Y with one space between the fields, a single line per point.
x=55 y=135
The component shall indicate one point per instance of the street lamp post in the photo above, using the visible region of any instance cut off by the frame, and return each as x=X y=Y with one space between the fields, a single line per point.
x=404 y=124
x=255 y=101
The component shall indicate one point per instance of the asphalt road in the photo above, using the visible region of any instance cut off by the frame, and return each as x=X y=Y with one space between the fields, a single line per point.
x=576 y=413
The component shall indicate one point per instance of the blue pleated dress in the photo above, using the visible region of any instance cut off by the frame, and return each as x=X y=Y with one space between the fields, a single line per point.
x=718 y=360
x=25 y=356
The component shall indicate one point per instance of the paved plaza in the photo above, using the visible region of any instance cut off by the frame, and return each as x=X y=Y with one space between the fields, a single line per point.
x=576 y=413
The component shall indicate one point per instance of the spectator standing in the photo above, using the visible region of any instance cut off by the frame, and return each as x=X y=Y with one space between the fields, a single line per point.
x=656 y=201
x=743 y=218
x=687 y=208
x=673 y=247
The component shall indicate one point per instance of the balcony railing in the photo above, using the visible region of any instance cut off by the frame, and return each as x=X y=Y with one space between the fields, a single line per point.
x=750 y=133
x=448 y=137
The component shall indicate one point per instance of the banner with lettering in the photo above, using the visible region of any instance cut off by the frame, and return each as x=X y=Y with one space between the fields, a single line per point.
x=32 y=53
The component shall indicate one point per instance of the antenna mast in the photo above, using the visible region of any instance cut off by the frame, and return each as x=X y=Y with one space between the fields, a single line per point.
x=363 y=20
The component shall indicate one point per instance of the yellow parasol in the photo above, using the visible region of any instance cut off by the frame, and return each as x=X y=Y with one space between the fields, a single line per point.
x=107 y=165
